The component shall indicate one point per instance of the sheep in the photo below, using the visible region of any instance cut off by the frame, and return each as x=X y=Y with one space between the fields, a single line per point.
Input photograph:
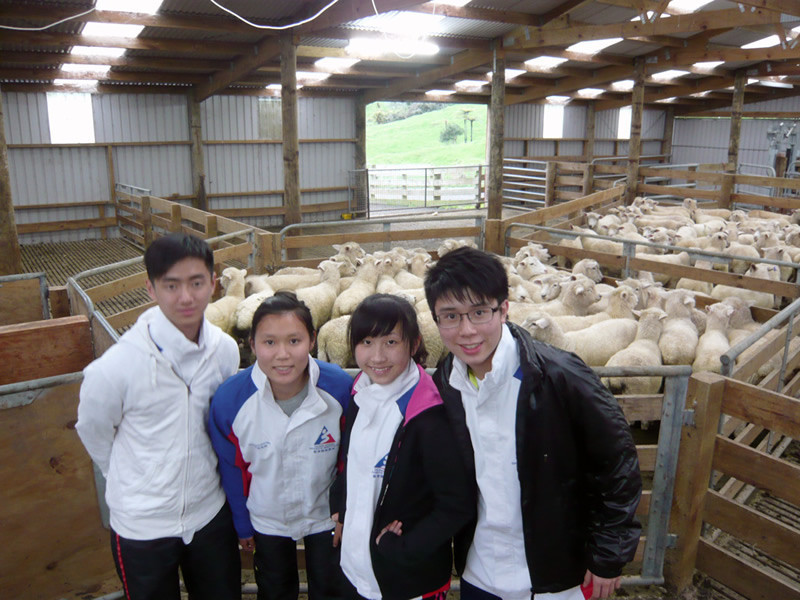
x=691 y=205
x=243 y=314
x=588 y=267
x=740 y=265
x=590 y=242
x=220 y=313
x=642 y=352
x=320 y=297
x=779 y=252
x=678 y=342
x=428 y=330
x=576 y=243
x=594 y=345
x=419 y=263
x=714 y=342
x=450 y=244
x=619 y=304
x=682 y=258
x=332 y=343
x=388 y=267
x=752 y=297
x=575 y=298
x=351 y=251
x=363 y=285
x=694 y=285
x=530 y=267
x=531 y=250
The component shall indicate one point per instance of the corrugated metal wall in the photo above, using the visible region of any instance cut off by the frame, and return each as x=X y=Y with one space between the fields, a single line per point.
x=150 y=147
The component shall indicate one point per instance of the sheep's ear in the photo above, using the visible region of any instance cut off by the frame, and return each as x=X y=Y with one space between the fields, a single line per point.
x=637 y=313
x=579 y=289
x=337 y=247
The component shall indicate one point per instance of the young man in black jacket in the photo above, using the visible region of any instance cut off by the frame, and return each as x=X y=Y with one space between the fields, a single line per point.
x=556 y=467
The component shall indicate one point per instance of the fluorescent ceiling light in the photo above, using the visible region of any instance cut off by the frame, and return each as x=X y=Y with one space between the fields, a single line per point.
x=751 y=81
x=545 y=62
x=624 y=85
x=440 y=92
x=135 y=6
x=700 y=94
x=470 y=84
x=335 y=64
x=97 y=51
x=767 y=42
x=708 y=64
x=593 y=46
x=76 y=82
x=590 y=92
x=687 y=6
x=72 y=68
x=400 y=46
x=776 y=84
x=558 y=99
x=112 y=30
x=274 y=87
x=312 y=76
x=670 y=74
x=666 y=100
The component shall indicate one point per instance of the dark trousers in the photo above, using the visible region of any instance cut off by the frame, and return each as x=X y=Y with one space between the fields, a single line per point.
x=210 y=564
x=275 y=565
x=470 y=592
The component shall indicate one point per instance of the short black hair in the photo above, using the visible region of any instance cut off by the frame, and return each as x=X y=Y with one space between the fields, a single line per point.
x=378 y=315
x=165 y=251
x=282 y=302
x=468 y=275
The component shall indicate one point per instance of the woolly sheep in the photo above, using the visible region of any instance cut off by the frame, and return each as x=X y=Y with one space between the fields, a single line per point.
x=320 y=297
x=642 y=352
x=752 y=297
x=714 y=342
x=575 y=298
x=220 y=313
x=451 y=244
x=352 y=251
x=678 y=342
x=588 y=267
x=363 y=285
x=595 y=344
x=243 y=315
x=332 y=343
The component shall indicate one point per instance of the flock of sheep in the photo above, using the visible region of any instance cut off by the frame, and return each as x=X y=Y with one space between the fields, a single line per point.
x=638 y=322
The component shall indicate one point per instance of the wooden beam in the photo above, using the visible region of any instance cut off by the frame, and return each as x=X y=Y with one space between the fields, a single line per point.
x=10 y=257
x=588 y=147
x=736 y=120
x=291 y=145
x=669 y=128
x=691 y=87
x=478 y=14
x=691 y=23
x=266 y=50
x=199 y=200
x=461 y=62
x=790 y=7
x=142 y=62
x=635 y=140
x=494 y=186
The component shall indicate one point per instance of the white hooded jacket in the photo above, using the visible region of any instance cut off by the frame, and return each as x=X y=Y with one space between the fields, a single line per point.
x=145 y=427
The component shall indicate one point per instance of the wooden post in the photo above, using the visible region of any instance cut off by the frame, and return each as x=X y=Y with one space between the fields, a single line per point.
x=669 y=128
x=494 y=234
x=693 y=473
x=635 y=144
x=588 y=146
x=10 y=257
x=112 y=185
x=211 y=226
x=550 y=183
x=175 y=218
x=780 y=166
x=494 y=188
x=736 y=121
x=588 y=179
x=200 y=199
x=725 y=190
x=360 y=192
x=291 y=144
x=147 y=222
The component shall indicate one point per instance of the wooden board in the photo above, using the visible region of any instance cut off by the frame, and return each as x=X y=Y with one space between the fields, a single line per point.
x=44 y=348
x=751 y=581
x=20 y=301
x=51 y=538
x=755 y=405
x=59 y=302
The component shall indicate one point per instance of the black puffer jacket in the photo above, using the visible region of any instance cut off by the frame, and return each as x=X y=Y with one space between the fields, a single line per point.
x=577 y=464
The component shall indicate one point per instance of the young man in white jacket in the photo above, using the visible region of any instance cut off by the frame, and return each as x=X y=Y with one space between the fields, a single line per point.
x=142 y=417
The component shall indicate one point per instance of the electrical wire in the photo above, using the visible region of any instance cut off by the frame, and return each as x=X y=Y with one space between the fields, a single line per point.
x=64 y=20
x=274 y=27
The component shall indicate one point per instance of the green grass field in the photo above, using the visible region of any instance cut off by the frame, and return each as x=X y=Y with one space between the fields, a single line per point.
x=415 y=140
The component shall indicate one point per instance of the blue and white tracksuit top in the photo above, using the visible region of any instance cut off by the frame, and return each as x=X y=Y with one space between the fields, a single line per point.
x=277 y=470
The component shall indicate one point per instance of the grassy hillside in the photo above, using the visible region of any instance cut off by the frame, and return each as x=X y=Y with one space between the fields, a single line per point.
x=415 y=140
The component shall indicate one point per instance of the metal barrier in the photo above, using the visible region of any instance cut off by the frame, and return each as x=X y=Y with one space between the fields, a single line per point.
x=771 y=191
x=529 y=180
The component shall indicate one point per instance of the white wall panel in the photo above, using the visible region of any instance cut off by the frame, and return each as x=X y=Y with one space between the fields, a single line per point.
x=574 y=123
x=326 y=165
x=653 y=123
x=524 y=120
x=140 y=117
x=243 y=168
x=512 y=149
x=230 y=118
x=700 y=140
x=25 y=118
x=326 y=118
x=605 y=124
x=164 y=170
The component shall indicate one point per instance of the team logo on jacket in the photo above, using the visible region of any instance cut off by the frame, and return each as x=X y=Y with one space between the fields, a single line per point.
x=325 y=442
x=380 y=467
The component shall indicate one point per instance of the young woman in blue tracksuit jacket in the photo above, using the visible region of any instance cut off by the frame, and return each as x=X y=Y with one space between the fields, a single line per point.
x=403 y=491
x=276 y=429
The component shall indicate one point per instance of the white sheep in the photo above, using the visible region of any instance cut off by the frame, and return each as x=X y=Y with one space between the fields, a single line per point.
x=695 y=285
x=714 y=342
x=332 y=343
x=450 y=244
x=576 y=296
x=352 y=251
x=320 y=297
x=220 y=313
x=642 y=352
x=595 y=344
x=588 y=267
x=243 y=315
x=363 y=285
x=752 y=297
x=678 y=342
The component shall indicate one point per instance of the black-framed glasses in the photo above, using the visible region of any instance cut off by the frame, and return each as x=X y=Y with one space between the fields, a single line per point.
x=476 y=316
